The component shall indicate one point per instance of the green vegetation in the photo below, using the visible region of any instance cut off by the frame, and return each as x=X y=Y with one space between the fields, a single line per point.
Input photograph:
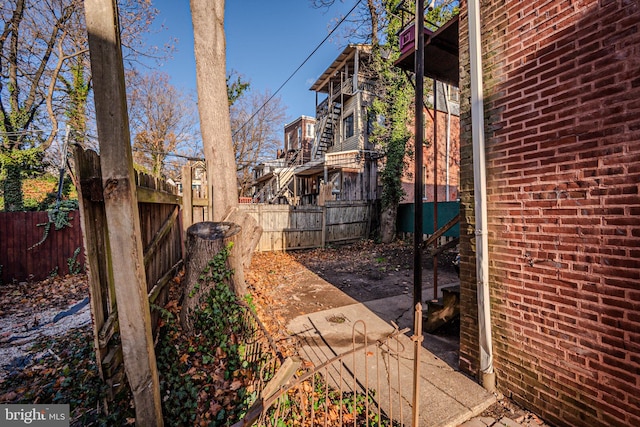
x=208 y=377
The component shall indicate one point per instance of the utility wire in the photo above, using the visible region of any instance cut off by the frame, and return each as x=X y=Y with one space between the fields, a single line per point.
x=297 y=69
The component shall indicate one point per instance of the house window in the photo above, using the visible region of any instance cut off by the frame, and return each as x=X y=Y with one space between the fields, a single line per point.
x=299 y=133
x=310 y=130
x=454 y=94
x=348 y=126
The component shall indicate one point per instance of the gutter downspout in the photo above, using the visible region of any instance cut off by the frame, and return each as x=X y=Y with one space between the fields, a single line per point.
x=445 y=90
x=488 y=376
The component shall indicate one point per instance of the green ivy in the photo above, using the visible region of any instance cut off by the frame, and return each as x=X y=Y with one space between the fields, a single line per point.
x=58 y=217
x=72 y=263
x=15 y=165
x=220 y=327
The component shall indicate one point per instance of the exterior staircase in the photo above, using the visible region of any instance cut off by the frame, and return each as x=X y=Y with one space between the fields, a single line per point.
x=278 y=185
x=326 y=130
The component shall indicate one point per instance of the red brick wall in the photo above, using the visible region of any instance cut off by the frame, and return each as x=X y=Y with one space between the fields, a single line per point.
x=562 y=107
x=428 y=156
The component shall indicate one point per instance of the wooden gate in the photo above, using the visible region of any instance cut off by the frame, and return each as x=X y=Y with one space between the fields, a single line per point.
x=159 y=215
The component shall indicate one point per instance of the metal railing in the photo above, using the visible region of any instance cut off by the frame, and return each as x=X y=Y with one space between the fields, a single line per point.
x=364 y=386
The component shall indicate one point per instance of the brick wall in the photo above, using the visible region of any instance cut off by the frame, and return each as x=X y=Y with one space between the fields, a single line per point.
x=562 y=114
x=408 y=182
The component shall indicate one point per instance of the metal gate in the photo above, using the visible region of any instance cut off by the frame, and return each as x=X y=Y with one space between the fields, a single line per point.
x=365 y=386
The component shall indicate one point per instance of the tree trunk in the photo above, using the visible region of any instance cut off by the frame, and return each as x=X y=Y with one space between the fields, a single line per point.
x=251 y=233
x=213 y=104
x=388 y=223
x=215 y=124
x=204 y=241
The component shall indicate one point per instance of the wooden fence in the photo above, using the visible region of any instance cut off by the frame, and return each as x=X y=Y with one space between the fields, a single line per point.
x=161 y=235
x=22 y=258
x=284 y=227
x=301 y=227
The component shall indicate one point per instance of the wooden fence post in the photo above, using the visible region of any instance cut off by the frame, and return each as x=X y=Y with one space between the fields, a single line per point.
x=119 y=189
x=187 y=197
x=324 y=226
x=94 y=233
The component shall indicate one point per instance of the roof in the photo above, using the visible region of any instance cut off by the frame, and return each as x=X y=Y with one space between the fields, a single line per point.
x=299 y=119
x=441 y=56
x=347 y=54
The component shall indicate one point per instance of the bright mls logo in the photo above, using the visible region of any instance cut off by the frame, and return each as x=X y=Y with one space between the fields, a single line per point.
x=34 y=415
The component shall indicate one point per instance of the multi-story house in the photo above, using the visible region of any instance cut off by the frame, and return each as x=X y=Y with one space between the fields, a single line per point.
x=273 y=179
x=340 y=163
x=299 y=136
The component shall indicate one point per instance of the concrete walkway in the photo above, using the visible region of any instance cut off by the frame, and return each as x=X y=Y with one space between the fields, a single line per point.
x=447 y=397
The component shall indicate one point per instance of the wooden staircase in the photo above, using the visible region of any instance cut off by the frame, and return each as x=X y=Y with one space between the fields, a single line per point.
x=327 y=129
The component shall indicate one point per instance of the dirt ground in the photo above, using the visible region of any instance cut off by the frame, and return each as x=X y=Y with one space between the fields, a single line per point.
x=361 y=272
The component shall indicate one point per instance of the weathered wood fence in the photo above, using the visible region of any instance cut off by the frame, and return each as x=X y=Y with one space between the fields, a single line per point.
x=284 y=227
x=22 y=257
x=161 y=235
x=287 y=227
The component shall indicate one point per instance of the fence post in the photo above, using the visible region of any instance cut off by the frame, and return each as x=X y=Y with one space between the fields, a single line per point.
x=324 y=225
x=187 y=198
x=121 y=207
x=417 y=346
x=94 y=231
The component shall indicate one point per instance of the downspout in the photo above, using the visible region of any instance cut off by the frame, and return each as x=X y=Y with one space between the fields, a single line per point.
x=448 y=130
x=488 y=376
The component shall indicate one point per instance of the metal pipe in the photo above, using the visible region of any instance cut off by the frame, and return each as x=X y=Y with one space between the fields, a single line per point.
x=448 y=132
x=419 y=142
x=435 y=186
x=480 y=189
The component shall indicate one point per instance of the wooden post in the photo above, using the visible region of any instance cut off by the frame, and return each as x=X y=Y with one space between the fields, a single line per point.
x=187 y=197
x=94 y=230
x=121 y=207
x=324 y=227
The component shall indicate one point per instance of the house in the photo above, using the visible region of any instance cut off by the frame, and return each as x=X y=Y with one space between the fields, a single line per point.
x=198 y=179
x=299 y=136
x=340 y=163
x=562 y=131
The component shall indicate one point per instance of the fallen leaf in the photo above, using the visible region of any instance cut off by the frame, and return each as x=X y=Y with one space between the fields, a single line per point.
x=214 y=408
x=8 y=397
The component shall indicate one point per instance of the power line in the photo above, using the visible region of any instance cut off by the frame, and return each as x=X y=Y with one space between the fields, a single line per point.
x=297 y=69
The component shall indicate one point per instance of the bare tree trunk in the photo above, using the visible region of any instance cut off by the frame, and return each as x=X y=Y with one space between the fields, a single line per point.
x=388 y=223
x=215 y=125
x=213 y=104
x=204 y=241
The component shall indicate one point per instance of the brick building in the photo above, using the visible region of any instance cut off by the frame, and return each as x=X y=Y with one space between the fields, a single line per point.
x=562 y=131
x=448 y=152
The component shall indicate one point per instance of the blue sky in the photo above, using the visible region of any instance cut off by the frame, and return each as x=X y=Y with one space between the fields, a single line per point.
x=266 y=42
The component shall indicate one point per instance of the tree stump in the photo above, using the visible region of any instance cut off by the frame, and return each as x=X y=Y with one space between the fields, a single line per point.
x=204 y=241
x=251 y=233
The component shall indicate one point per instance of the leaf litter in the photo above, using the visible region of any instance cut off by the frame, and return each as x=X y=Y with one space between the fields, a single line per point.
x=59 y=364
